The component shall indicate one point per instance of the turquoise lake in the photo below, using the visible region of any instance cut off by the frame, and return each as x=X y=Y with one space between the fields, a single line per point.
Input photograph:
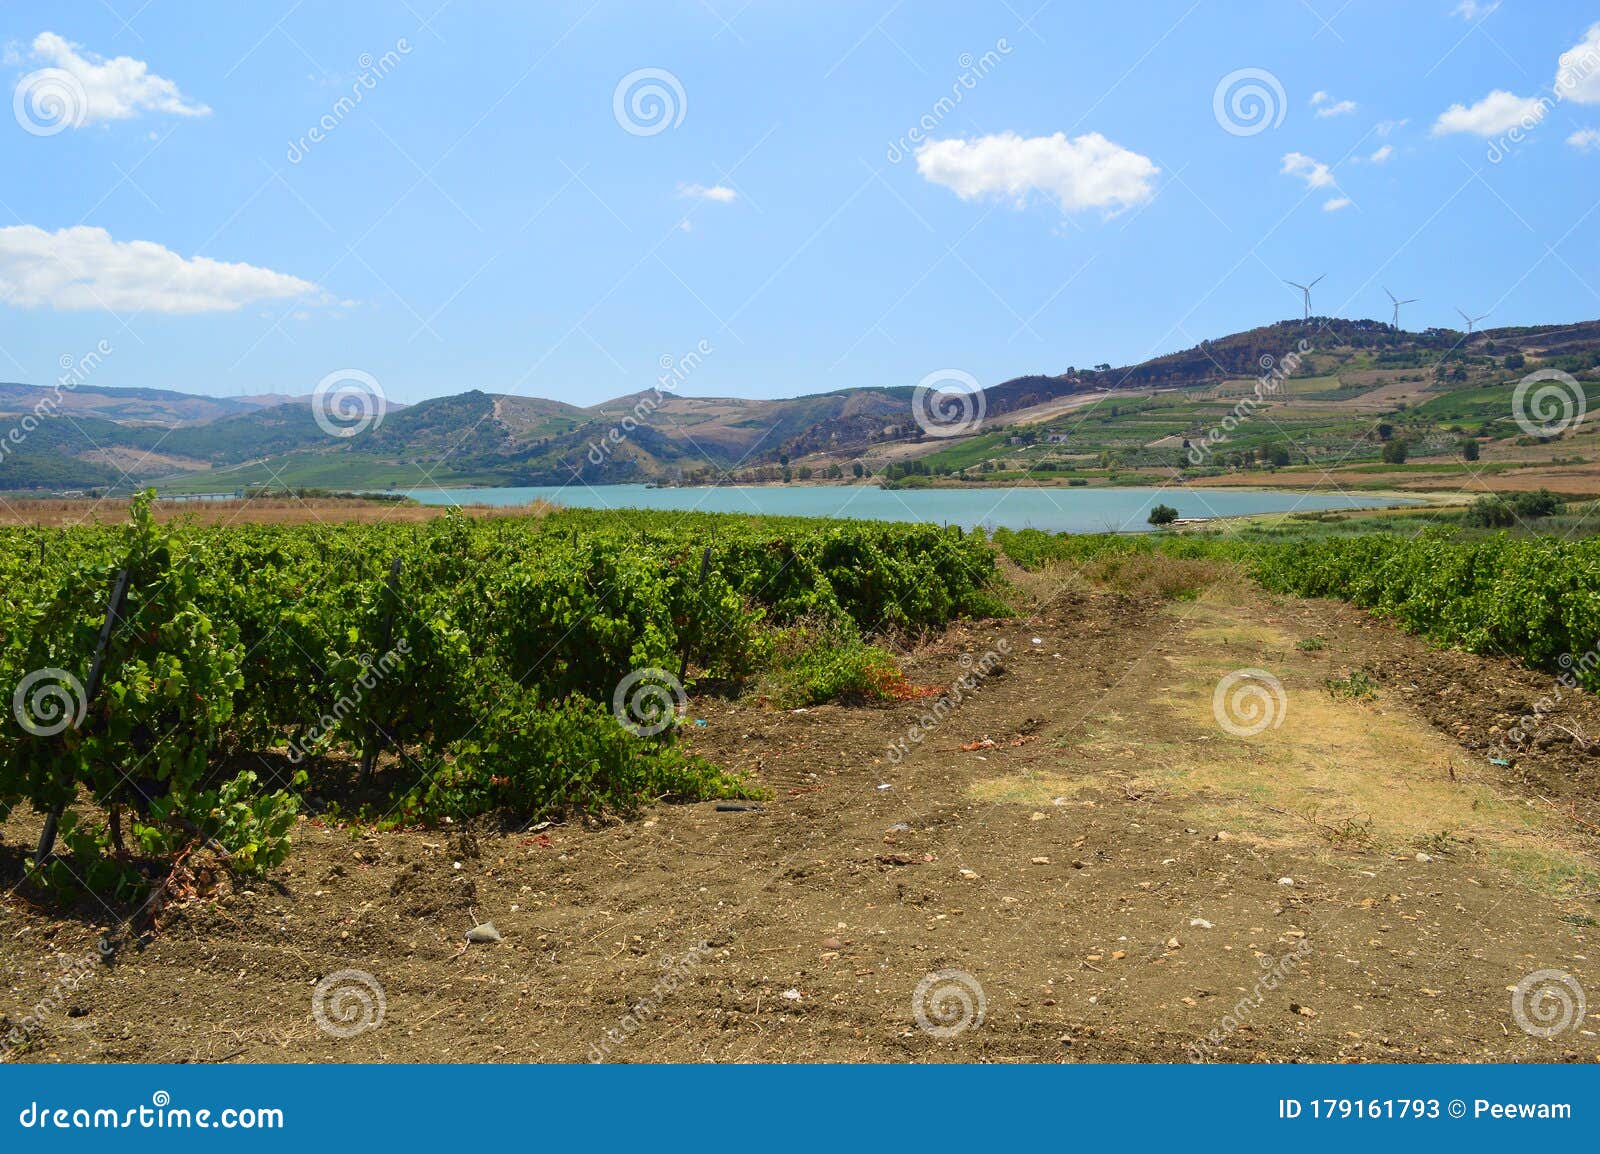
x=1055 y=510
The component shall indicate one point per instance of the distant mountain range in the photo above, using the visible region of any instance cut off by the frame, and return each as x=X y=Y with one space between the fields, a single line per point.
x=106 y=437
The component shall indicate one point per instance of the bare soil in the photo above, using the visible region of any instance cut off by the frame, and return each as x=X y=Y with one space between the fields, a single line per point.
x=1112 y=870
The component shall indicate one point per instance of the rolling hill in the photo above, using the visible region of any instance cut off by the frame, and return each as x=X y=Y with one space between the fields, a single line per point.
x=1135 y=416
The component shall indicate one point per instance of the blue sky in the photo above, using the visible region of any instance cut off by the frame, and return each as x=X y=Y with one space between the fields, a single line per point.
x=484 y=217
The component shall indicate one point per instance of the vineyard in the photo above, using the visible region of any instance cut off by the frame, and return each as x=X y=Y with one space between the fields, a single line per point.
x=1535 y=599
x=205 y=684
x=916 y=747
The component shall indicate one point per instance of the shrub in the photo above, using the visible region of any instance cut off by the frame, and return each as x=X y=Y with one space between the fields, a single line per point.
x=1497 y=511
x=822 y=661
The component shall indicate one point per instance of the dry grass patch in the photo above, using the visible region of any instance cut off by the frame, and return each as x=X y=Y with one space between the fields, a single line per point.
x=1160 y=577
x=1344 y=771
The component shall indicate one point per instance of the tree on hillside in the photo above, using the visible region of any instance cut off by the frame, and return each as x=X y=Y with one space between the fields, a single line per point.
x=1469 y=450
x=1394 y=452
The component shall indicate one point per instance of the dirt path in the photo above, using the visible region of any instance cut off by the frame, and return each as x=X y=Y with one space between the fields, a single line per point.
x=1114 y=874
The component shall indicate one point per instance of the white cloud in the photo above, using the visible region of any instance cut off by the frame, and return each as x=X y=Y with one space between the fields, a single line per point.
x=1307 y=168
x=1585 y=140
x=1577 y=79
x=1494 y=114
x=1318 y=96
x=1336 y=203
x=116 y=89
x=1578 y=70
x=1385 y=127
x=1086 y=171
x=720 y=193
x=1470 y=10
x=1382 y=154
x=83 y=268
x=1340 y=108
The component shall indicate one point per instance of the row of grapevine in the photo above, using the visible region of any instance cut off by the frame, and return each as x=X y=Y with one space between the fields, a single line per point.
x=485 y=653
x=1532 y=598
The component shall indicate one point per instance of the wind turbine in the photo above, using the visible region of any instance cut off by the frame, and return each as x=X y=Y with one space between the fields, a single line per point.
x=1305 y=290
x=1397 y=303
x=1470 y=321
